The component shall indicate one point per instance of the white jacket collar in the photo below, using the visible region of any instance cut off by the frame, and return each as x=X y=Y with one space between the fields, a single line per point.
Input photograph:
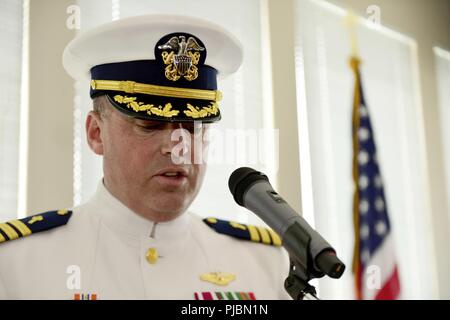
x=122 y=219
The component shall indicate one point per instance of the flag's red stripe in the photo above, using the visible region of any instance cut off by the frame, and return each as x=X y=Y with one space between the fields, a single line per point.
x=252 y=296
x=391 y=288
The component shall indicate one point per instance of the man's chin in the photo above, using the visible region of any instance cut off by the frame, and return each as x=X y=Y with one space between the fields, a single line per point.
x=171 y=206
x=167 y=215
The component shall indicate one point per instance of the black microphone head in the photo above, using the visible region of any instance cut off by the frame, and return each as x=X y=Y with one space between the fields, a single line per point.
x=241 y=180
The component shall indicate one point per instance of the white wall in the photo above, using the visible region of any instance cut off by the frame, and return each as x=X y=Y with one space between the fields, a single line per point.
x=443 y=81
x=10 y=78
x=49 y=180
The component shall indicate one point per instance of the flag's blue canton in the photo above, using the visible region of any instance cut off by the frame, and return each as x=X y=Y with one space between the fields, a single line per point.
x=374 y=222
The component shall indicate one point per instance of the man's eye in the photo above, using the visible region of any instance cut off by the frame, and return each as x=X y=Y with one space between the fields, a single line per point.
x=149 y=128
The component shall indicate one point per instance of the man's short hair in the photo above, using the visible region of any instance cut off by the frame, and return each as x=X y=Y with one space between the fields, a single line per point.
x=101 y=106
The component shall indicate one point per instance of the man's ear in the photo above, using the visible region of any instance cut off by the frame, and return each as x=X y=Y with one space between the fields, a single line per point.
x=94 y=127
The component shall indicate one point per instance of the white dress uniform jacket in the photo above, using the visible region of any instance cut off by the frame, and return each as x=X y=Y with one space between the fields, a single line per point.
x=102 y=252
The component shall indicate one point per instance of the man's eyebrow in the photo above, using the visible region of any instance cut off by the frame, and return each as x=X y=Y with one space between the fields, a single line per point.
x=143 y=121
x=146 y=122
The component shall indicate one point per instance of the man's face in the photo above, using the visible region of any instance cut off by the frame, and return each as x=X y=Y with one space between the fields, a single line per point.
x=138 y=167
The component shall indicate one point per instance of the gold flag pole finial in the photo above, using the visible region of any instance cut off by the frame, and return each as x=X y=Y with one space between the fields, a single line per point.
x=351 y=20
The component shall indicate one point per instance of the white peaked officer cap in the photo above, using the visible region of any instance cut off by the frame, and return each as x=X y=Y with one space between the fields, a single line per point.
x=157 y=67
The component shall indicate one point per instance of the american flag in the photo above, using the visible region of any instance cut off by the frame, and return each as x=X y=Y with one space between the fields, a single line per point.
x=374 y=265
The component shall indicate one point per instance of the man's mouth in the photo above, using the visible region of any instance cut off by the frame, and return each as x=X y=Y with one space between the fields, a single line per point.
x=172 y=174
x=173 y=177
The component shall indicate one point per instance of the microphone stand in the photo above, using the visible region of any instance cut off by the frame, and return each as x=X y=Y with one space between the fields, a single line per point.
x=301 y=268
x=310 y=255
x=296 y=284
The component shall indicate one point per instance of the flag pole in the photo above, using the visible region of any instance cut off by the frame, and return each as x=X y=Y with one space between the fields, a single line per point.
x=351 y=21
x=372 y=240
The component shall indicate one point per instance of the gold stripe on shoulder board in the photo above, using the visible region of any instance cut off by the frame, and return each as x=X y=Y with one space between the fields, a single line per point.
x=275 y=237
x=237 y=225
x=24 y=230
x=265 y=237
x=254 y=235
x=10 y=232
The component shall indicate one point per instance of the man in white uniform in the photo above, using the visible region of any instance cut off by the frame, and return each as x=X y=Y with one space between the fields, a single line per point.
x=135 y=239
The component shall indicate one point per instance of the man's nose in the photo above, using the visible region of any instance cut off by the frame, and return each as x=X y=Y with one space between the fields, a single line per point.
x=175 y=138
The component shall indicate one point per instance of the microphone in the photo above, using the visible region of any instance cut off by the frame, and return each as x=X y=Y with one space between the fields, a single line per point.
x=251 y=189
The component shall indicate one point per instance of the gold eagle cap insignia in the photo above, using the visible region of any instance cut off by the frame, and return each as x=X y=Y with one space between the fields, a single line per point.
x=219 y=278
x=183 y=59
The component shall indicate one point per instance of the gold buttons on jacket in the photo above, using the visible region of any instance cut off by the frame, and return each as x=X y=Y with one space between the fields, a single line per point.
x=152 y=255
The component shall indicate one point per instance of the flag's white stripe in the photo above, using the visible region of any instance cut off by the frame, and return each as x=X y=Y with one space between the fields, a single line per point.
x=382 y=265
